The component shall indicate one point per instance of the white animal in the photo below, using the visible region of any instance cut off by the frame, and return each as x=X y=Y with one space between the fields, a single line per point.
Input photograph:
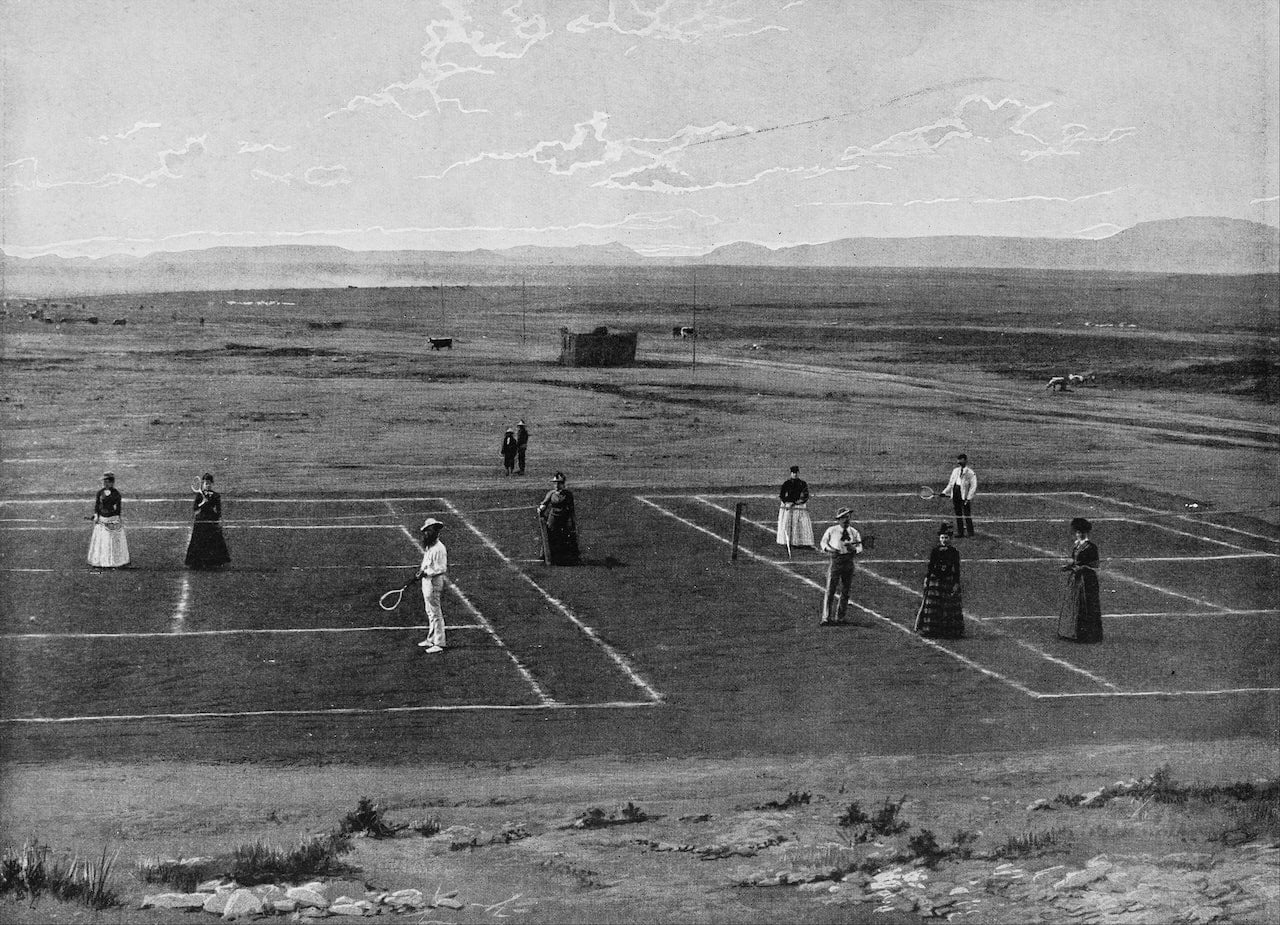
x=1057 y=384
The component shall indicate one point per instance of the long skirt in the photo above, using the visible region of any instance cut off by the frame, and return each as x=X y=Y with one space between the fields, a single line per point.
x=941 y=613
x=562 y=537
x=1080 y=618
x=108 y=547
x=795 y=527
x=207 y=548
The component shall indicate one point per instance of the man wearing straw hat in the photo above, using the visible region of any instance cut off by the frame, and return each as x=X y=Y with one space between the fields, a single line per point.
x=435 y=564
x=843 y=544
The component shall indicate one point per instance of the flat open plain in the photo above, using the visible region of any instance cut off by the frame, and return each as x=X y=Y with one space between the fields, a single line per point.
x=333 y=431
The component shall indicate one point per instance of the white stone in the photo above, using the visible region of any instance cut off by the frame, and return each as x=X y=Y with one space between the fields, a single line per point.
x=448 y=902
x=241 y=903
x=1080 y=878
x=284 y=906
x=406 y=898
x=307 y=897
x=186 y=901
x=217 y=903
x=348 y=909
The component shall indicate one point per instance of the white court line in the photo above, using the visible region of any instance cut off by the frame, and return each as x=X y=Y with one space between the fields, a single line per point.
x=247 y=631
x=227 y=527
x=1119 y=576
x=250 y=499
x=539 y=692
x=1206 y=693
x=1155 y=613
x=335 y=711
x=179 y=618
x=893 y=583
x=1060 y=559
x=867 y=610
x=1197 y=536
x=1187 y=517
x=591 y=634
x=876 y=494
x=230 y=571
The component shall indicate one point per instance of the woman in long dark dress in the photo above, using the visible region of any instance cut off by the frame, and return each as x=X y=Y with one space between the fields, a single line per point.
x=941 y=614
x=510 y=447
x=207 y=548
x=557 y=513
x=1080 y=619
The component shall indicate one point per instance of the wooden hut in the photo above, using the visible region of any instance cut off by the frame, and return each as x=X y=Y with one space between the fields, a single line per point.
x=598 y=348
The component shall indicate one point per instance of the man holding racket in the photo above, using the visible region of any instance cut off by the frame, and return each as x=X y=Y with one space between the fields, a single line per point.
x=435 y=564
x=961 y=488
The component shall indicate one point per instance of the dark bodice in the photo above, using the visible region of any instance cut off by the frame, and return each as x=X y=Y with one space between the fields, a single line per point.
x=211 y=510
x=944 y=564
x=107 y=503
x=794 y=491
x=558 y=503
x=1085 y=555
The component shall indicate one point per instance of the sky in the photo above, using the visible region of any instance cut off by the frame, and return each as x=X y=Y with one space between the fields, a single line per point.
x=669 y=126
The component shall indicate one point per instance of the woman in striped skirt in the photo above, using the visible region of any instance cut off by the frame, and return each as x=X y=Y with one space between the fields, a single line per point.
x=941 y=613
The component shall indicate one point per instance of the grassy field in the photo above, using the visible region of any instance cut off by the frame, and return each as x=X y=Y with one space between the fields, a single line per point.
x=333 y=430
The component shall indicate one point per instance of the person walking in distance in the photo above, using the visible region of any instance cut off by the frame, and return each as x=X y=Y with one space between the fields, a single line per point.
x=843 y=544
x=961 y=488
x=522 y=445
x=795 y=527
x=508 y=451
x=435 y=565
x=107 y=546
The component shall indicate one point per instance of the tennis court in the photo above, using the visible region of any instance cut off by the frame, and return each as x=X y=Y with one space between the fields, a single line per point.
x=658 y=643
x=297 y=611
x=1187 y=604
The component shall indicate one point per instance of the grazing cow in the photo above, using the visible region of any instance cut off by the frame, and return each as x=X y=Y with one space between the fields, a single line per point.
x=1057 y=384
x=121 y=321
x=688 y=331
x=441 y=343
x=92 y=319
x=1082 y=379
x=675 y=331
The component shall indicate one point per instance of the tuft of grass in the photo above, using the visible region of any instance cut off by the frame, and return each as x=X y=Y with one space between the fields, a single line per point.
x=853 y=816
x=314 y=857
x=790 y=801
x=367 y=820
x=182 y=875
x=426 y=827
x=1032 y=843
x=33 y=870
x=886 y=821
x=596 y=818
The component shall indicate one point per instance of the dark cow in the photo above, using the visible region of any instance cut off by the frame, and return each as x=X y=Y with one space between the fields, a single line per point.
x=441 y=343
x=121 y=321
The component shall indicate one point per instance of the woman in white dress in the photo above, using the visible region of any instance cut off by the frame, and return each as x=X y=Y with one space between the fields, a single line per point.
x=795 y=526
x=108 y=547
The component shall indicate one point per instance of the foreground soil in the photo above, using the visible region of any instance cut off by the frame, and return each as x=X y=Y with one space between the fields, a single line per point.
x=718 y=836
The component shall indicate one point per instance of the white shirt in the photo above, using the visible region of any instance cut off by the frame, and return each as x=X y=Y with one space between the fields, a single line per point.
x=435 y=561
x=966 y=478
x=841 y=541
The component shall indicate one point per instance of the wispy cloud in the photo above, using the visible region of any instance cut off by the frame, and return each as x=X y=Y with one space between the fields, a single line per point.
x=259 y=174
x=337 y=175
x=249 y=147
x=1254 y=202
x=455 y=45
x=931 y=202
x=979 y=119
x=1100 y=230
x=688 y=22
x=24 y=174
x=121 y=136
x=1043 y=198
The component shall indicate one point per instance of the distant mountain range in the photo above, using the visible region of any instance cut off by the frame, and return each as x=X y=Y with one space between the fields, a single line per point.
x=1184 y=245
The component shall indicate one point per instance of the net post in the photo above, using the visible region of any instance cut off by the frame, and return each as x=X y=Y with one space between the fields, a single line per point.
x=737 y=528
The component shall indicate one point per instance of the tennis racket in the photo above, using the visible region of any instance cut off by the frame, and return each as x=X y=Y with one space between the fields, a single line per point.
x=111 y=526
x=391 y=600
x=926 y=493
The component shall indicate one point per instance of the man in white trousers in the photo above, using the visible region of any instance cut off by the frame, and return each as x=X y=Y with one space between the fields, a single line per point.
x=435 y=564
x=961 y=488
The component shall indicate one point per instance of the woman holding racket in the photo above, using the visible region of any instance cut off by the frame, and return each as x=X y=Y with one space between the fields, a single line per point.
x=107 y=546
x=207 y=548
x=941 y=613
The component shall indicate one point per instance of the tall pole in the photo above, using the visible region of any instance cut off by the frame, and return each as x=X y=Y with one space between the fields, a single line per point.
x=695 y=319
x=524 y=310
x=442 y=325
